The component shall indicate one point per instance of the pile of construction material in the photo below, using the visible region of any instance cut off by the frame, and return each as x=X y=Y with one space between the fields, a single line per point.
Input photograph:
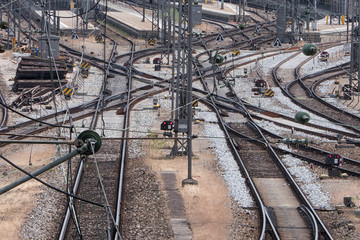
x=33 y=71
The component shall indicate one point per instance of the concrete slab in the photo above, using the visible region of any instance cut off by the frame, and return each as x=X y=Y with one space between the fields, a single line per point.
x=230 y=11
x=128 y=16
x=68 y=22
x=276 y=194
x=176 y=207
x=131 y=19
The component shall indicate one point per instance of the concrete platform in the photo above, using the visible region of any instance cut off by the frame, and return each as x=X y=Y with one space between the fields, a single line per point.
x=128 y=19
x=230 y=12
x=68 y=23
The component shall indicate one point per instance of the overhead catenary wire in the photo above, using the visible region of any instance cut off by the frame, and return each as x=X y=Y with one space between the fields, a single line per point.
x=33 y=119
x=46 y=184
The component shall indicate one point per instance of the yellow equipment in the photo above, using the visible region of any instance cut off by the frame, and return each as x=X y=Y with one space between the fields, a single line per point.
x=99 y=38
x=152 y=41
x=235 y=52
x=68 y=91
x=269 y=93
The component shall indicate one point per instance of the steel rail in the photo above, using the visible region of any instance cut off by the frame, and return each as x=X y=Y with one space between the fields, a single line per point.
x=124 y=144
x=297 y=189
x=324 y=231
x=4 y=112
x=99 y=105
x=265 y=217
x=288 y=176
x=291 y=96
x=239 y=109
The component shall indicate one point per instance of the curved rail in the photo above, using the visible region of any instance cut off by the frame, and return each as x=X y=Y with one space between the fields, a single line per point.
x=291 y=96
x=99 y=106
x=4 y=112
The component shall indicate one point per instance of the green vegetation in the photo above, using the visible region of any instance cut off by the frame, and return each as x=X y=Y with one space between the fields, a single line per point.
x=4 y=25
x=2 y=48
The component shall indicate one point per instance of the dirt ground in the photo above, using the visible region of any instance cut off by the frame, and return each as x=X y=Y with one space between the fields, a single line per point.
x=16 y=204
x=208 y=216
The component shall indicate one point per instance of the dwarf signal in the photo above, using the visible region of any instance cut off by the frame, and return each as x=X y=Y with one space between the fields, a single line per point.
x=260 y=83
x=334 y=159
x=157 y=61
x=167 y=125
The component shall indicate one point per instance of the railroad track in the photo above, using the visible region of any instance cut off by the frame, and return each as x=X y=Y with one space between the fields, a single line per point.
x=300 y=94
x=268 y=166
x=4 y=112
x=308 y=153
x=268 y=219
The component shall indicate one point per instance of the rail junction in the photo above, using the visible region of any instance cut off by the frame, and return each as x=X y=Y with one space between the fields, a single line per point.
x=179 y=120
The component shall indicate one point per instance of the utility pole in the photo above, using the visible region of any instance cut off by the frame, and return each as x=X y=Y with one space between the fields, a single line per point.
x=165 y=29
x=183 y=106
x=347 y=20
x=314 y=27
x=143 y=20
x=355 y=47
x=155 y=19
x=243 y=11
x=280 y=21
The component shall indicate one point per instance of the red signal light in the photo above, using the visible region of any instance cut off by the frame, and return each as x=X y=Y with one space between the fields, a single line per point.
x=330 y=155
x=337 y=156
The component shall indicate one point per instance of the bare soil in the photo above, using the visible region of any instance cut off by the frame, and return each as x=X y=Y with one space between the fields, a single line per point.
x=17 y=204
x=207 y=204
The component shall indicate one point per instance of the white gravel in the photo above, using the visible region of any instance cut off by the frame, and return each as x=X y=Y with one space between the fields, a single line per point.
x=326 y=87
x=230 y=170
x=267 y=64
x=308 y=182
x=271 y=126
x=336 y=58
x=279 y=103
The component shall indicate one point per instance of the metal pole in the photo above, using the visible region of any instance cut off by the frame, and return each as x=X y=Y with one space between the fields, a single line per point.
x=29 y=10
x=108 y=223
x=80 y=150
x=36 y=142
x=315 y=18
x=8 y=30
x=189 y=89
x=143 y=20
x=189 y=180
x=352 y=53
x=243 y=12
x=347 y=22
x=173 y=62
x=19 y=28
x=174 y=150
